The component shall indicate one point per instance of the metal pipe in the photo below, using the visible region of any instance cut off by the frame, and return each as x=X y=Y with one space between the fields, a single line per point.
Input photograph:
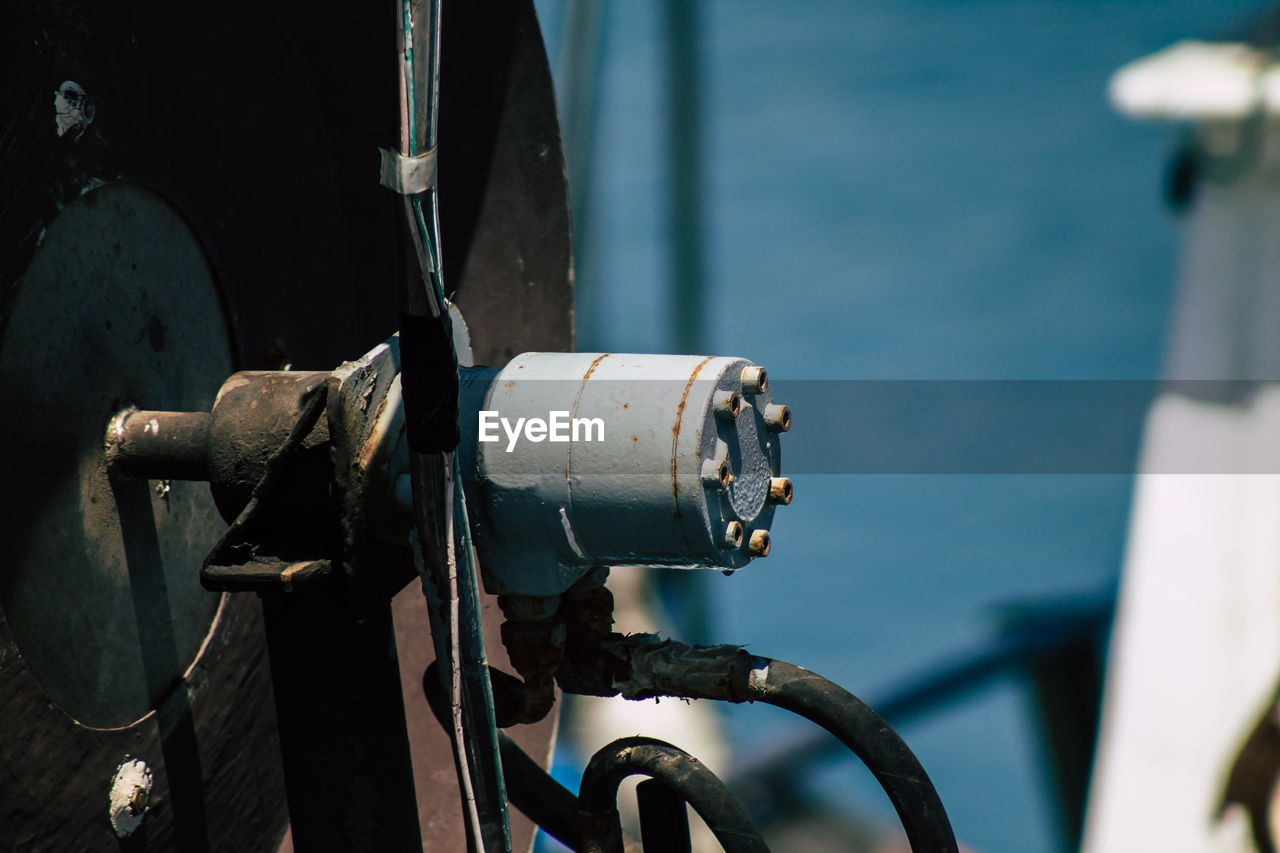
x=580 y=67
x=159 y=445
x=685 y=592
x=684 y=162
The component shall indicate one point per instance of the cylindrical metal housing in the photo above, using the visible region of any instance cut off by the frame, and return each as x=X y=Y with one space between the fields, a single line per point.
x=574 y=460
x=252 y=417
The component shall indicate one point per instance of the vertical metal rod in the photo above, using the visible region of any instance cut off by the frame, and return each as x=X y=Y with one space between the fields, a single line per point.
x=687 y=591
x=684 y=162
x=1065 y=686
x=580 y=66
x=664 y=818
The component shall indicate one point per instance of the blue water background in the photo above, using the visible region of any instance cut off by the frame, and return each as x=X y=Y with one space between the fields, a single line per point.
x=907 y=190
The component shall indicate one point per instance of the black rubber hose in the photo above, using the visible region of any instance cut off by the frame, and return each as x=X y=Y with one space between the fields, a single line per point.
x=641 y=666
x=599 y=825
x=861 y=729
x=532 y=790
x=664 y=818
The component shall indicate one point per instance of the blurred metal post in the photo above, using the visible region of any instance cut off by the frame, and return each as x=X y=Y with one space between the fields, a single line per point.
x=684 y=152
x=580 y=63
x=1066 y=695
x=686 y=592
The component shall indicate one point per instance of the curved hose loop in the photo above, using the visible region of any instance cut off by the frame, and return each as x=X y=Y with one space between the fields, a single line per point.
x=881 y=749
x=598 y=823
x=641 y=666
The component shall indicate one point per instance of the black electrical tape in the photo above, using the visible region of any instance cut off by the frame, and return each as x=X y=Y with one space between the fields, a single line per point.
x=429 y=383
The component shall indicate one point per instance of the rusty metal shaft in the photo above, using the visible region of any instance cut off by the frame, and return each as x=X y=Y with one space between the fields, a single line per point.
x=160 y=445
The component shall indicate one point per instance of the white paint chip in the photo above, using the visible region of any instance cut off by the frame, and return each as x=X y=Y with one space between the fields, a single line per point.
x=73 y=109
x=130 y=793
x=568 y=535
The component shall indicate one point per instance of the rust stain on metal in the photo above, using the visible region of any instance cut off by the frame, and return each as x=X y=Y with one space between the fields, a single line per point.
x=594 y=365
x=675 y=434
x=577 y=398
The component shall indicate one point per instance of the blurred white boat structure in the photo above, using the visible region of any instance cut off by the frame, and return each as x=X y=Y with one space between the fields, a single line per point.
x=1195 y=657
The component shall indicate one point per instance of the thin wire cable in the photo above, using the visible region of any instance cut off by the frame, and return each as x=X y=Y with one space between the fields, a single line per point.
x=455 y=661
x=474 y=727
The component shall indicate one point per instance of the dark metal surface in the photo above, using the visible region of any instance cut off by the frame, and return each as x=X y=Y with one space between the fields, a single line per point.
x=345 y=744
x=212 y=792
x=188 y=103
x=504 y=201
x=255 y=414
x=281 y=539
x=97 y=585
x=259 y=123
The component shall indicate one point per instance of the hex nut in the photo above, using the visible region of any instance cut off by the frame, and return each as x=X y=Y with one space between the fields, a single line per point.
x=777 y=418
x=780 y=490
x=715 y=473
x=760 y=543
x=726 y=404
x=754 y=379
x=732 y=535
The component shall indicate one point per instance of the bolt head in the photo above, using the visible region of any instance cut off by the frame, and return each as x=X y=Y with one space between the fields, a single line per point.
x=759 y=543
x=777 y=418
x=780 y=490
x=716 y=473
x=754 y=379
x=726 y=404
x=732 y=535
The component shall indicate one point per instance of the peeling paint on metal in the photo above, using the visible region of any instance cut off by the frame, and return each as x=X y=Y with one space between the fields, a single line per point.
x=130 y=793
x=568 y=535
x=91 y=185
x=73 y=110
x=757 y=679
